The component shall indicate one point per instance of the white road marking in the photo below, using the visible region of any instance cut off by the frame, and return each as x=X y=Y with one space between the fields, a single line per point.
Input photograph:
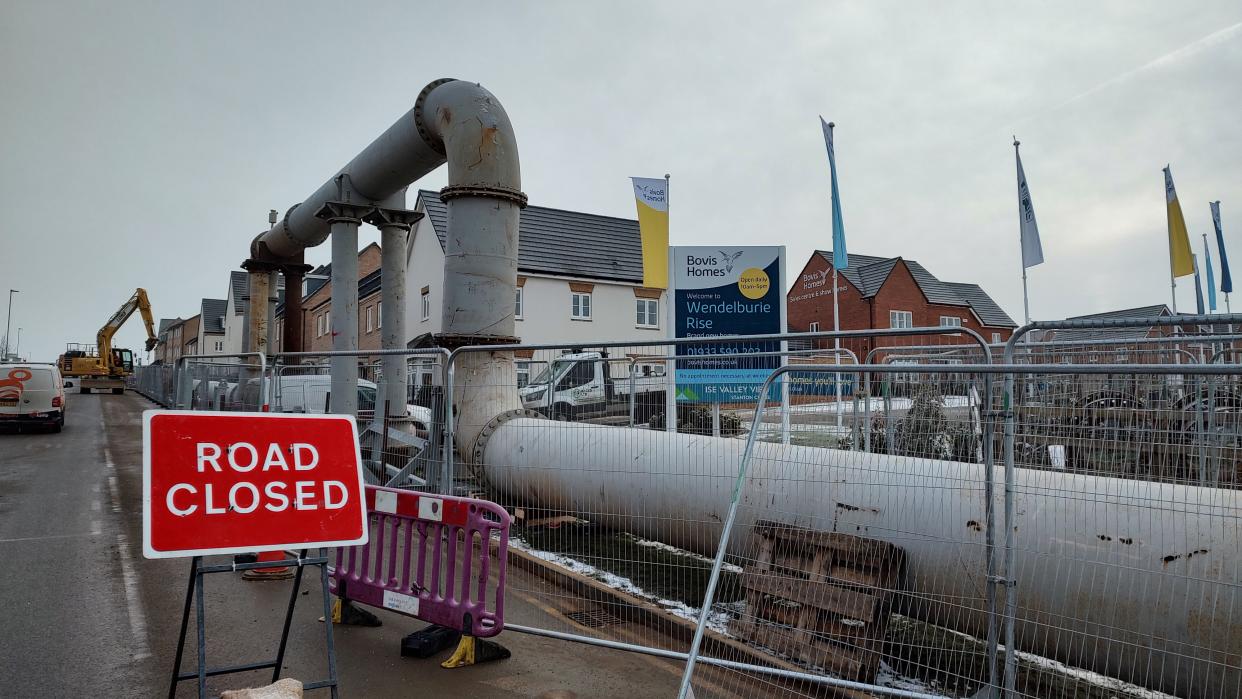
x=137 y=619
x=43 y=538
x=115 y=491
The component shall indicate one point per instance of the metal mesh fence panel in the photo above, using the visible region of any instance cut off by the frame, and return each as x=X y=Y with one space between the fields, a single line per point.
x=619 y=524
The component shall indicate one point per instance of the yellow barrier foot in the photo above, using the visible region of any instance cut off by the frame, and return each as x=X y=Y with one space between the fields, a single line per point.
x=472 y=651
x=347 y=614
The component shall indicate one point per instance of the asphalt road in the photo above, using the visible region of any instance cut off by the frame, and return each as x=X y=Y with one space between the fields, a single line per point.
x=86 y=615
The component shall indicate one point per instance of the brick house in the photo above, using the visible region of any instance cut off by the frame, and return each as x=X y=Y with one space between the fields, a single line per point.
x=317 y=305
x=879 y=292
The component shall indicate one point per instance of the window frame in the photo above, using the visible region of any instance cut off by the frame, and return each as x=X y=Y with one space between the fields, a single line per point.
x=956 y=321
x=425 y=300
x=650 y=310
x=907 y=316
x=379 y=315
x=370 y=319
x=519 y=303
x=576 y=306
x=813 y=327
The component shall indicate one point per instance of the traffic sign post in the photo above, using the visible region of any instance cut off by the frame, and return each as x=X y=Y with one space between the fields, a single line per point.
x=223 y=483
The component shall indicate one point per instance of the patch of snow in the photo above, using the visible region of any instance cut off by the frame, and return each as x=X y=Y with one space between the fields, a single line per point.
x=1095 y=678
x=728 y=567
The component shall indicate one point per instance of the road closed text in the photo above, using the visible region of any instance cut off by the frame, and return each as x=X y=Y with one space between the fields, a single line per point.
x=232 y=482
x=245 y=496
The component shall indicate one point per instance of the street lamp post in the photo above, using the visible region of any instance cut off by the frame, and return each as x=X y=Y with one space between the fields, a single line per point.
x=7 y=320
x=18 y=351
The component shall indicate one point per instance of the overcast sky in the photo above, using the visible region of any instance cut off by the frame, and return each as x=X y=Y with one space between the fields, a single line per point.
x=143 y=143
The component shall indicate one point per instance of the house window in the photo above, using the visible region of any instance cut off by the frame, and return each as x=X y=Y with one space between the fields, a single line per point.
x=219 y=345
x=379 y=314
x=900 y=319
x=814 y=327
x=426 y=296
x=996 y=338
x=648 y=313
x=523 y=369
x=319 y=325
x=370 y=318
x=517 y=304
x=580 y=308
x=950 y=321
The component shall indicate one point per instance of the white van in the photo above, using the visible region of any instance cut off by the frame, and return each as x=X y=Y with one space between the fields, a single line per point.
x=32 y=394
x=308 y=393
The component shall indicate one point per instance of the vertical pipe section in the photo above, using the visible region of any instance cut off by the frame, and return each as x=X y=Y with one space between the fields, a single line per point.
x=392 y=318
x=260 y=284
x=394 y=225
x=484 y=200
x=291 y=340
x=344 y=314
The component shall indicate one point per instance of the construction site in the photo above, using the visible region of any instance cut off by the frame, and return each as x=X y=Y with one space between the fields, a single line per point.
x=710 y=475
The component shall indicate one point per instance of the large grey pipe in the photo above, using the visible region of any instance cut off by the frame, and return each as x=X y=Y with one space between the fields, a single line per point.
x=1151 y=570
x=464 y=125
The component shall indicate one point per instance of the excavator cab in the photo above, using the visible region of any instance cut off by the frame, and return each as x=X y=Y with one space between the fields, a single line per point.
x=123 y=359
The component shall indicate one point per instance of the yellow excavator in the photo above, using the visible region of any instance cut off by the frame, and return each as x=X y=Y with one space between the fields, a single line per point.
x=101 y=365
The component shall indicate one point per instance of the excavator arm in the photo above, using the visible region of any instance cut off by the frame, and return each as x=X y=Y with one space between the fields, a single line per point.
x=137 y=302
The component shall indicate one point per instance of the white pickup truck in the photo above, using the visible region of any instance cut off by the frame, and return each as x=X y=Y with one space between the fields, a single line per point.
x=587 y=385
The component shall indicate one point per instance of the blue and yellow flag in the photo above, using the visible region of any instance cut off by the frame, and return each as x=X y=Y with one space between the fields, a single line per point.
x=651 y=197
x=1181 y=260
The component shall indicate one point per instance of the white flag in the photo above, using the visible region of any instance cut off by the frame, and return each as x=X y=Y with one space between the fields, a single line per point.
x=1032 y=249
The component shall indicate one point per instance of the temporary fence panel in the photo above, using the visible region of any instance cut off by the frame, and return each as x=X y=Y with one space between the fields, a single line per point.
x=438 y=558
x=402 y=445
x=627 y=518
x=1091 y=557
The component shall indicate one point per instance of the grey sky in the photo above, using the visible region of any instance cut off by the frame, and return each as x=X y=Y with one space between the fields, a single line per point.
x=144 y=142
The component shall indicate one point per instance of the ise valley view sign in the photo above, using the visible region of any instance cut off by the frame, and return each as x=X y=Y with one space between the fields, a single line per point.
x=726 y=291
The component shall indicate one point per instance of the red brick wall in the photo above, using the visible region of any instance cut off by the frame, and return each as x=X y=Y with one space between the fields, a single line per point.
x=320 y=303
x=810 y=300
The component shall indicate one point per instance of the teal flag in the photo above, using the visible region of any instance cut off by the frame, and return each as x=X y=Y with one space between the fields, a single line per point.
x=840 y=258
x=1211 y=276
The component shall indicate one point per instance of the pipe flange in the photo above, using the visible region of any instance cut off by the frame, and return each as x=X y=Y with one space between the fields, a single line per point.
x=480 y=442
x=419 y=123
x=513 y=196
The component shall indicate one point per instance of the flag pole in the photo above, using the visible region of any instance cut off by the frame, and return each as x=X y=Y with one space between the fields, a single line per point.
x=670 y=395
x=836 y=328
x=1172 y=279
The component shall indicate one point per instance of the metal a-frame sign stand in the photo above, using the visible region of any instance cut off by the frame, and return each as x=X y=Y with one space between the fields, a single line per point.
x=194 y=595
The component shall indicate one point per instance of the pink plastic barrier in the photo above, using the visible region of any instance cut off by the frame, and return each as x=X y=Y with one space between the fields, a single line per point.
x=429 y=557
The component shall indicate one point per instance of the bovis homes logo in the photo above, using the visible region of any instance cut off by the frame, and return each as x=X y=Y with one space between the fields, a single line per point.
x=651 y=193
x=814 y=280
x=711 y=265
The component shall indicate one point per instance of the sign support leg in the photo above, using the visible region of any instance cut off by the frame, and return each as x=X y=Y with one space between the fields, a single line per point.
x=185 y=621
x=200 y=614
x=284 y=632
x=327 y=625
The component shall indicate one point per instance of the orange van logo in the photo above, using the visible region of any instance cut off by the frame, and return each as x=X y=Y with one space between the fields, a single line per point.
x=11 y=388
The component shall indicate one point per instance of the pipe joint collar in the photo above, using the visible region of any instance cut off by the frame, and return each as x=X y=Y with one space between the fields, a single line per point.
x=513 y=196
x=480 y=442
x=420 y=122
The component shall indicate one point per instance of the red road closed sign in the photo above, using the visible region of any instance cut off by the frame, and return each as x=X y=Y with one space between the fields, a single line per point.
x=240 y=482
